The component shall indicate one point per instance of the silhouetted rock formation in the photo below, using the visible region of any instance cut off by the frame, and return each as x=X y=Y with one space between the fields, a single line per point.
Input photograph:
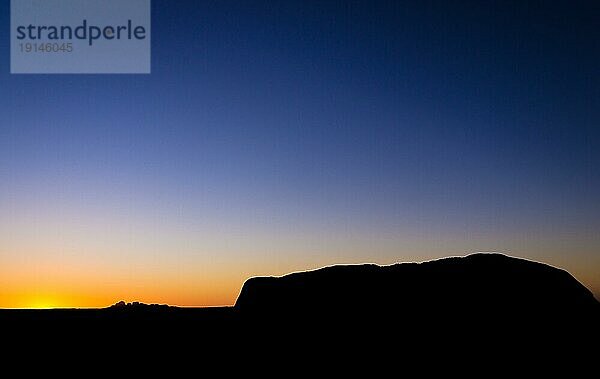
x=121 y=305
x=472 y=290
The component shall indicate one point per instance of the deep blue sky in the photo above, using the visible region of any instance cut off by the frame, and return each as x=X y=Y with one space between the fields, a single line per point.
x=319 y=127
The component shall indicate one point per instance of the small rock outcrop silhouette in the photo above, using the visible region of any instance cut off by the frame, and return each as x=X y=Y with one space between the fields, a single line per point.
x=122 y=305
x=461 y=290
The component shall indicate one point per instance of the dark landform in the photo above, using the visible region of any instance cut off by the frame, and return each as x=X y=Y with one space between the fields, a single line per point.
x=482 y=298
x=471 y=288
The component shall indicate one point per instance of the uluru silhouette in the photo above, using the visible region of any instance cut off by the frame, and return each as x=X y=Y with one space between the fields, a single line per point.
x=466 y=291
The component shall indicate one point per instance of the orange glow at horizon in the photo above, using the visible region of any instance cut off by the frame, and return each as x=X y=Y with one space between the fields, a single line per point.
x=86 y=297
x=62 y=286
x=60 y=272
x=93 y=294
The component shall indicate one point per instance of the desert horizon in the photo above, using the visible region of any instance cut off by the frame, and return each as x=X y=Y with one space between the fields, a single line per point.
x=137 y=301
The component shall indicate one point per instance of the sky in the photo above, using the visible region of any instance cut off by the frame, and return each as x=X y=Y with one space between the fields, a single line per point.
x=274 y=137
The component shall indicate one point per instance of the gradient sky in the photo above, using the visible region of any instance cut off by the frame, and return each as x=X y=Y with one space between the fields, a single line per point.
x=275 y=136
